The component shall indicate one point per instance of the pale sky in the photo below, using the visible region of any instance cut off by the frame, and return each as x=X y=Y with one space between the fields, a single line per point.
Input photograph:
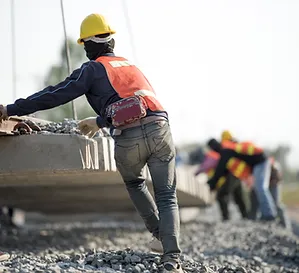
x=215 y=64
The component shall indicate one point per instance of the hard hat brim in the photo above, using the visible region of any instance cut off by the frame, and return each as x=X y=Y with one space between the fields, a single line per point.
x=80 y=40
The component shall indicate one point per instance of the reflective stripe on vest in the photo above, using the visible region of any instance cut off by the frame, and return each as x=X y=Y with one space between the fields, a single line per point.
x=220 y=181
x=246 y=148
x=238 y=168
x=127 y=80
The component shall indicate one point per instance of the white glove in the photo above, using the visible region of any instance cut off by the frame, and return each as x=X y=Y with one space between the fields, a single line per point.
x=88 y=126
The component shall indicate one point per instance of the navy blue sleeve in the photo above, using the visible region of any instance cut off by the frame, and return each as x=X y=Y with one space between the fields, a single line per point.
x=74 y=86
x=220 y=170
x=101 y=122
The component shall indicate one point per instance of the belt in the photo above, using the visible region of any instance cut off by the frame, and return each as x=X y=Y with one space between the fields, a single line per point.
x=140 y=122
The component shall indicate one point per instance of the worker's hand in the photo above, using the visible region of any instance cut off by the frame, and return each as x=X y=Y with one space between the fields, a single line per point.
x=88 y=126
x=3 y=113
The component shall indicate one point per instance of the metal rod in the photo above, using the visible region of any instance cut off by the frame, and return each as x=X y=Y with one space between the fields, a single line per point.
x=68 y=59
x=129 y=26
x=13 y=51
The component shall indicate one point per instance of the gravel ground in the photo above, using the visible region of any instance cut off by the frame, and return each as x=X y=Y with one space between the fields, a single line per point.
x=104 y=245
x=67 y=126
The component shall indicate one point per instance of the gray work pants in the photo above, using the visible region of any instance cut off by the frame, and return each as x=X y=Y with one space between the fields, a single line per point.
x=152 y=144
x=232 y=187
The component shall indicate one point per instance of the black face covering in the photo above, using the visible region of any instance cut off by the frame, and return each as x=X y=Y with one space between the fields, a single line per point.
x=94 y=50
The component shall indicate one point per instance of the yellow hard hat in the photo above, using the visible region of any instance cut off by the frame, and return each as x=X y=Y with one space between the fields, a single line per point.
x=94 y=24
x=226 y=135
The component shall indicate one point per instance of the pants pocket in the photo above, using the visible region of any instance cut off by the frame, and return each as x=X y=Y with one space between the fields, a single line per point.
x=164 y=147
x=127 y=156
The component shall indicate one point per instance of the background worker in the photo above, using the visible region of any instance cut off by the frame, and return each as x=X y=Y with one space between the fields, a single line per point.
x=226 y=135
x=275 y=190
x=113 y=87
x=227 y=186
x=251 y=159
x=274 y=187
x=241 y=191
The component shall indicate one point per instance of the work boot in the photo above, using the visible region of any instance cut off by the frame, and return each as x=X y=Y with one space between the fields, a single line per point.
x=4 y=256
x=156 y=245
x=267 y=219
x=172 y=267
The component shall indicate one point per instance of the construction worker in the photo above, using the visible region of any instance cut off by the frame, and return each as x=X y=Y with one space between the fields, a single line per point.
x=227 y=135
x=227 y=185
x=126 y=103
x=240 y=195
x=275 y=190
x=243 y=159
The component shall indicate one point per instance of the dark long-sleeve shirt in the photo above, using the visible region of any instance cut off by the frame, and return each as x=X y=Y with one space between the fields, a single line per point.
x=225 y=156
x=90 y=79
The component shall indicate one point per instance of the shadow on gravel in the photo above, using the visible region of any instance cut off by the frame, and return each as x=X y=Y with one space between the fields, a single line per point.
x=273 y=256
x=72 y=236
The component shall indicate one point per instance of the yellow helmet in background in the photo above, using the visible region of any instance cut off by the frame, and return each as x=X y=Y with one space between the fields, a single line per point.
x=94 y=24
x=226 y=135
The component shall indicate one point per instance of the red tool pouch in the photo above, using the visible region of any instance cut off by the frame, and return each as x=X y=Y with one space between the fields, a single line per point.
x=126 y=111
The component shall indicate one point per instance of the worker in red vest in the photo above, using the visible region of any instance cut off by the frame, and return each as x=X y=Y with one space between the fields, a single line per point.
x=124 y=101
x=251 y=158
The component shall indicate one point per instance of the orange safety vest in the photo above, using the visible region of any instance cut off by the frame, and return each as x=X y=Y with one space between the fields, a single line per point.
x=237 y=167
x=127 y=80
x=245 y=148
x=212 y=154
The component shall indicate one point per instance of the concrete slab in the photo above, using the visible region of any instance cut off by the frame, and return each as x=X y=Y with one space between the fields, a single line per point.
x=111 y=154
x=77 y=198
x=194 y=186
x=54 y=173
x=103 y=153
x=47 y=152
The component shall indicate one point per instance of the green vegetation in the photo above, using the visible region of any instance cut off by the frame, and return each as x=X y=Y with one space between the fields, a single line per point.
x=290 y=196
x=57 y=73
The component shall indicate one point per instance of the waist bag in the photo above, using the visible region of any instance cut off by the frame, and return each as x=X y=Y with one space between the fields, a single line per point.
x=126 y=111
